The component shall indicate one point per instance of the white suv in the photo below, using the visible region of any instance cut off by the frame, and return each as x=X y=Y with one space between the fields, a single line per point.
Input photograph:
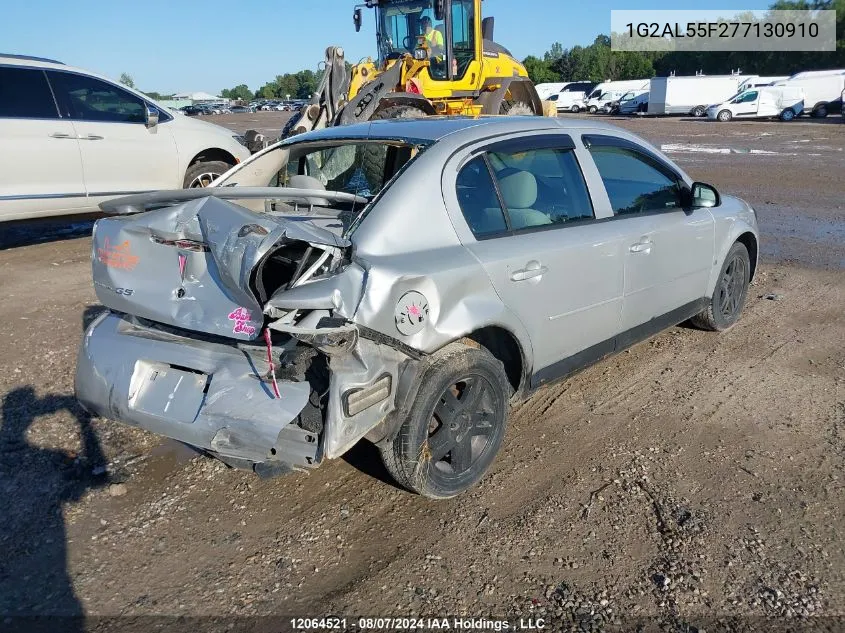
x=72 y=139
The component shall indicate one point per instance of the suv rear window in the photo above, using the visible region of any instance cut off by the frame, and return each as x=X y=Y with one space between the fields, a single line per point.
x=25 y=94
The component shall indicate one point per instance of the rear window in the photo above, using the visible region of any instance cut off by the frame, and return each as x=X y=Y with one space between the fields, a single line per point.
x=25 y=94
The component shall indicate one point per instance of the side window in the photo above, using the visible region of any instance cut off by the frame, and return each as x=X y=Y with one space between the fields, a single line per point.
x=634 y=182
x=25 y=94
x=540 y=187
x=89 y=99
x=479 y=203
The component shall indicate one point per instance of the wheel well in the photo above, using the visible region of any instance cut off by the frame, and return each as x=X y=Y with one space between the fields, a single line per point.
x=750 y=242
x=211 y=154
x=505 y=347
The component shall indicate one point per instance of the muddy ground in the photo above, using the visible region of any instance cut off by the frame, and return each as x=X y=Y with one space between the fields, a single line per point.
x=694 y=477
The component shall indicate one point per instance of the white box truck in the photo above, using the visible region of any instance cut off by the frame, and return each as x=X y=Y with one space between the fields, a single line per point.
x=609 y=91
x=786 y=102
x=692 y=95
x=822 y=90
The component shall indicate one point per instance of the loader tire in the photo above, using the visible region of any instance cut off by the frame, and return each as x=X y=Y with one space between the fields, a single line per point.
x=515 y=108
x=295 y=118
x=372 y=158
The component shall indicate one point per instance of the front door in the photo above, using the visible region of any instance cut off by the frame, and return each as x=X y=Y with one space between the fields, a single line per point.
x=746 y=104
x=548 y=258
x=120 y=155
x=669 y=250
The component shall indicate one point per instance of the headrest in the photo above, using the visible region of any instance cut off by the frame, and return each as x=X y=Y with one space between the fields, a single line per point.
x=519 y=188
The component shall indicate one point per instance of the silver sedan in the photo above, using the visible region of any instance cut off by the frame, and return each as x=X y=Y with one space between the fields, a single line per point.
x=400 y=281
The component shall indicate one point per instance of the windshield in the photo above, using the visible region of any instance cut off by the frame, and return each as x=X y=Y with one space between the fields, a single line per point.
x=400 y=24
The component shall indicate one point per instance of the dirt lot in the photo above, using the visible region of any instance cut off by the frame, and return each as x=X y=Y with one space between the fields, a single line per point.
x=694 y=477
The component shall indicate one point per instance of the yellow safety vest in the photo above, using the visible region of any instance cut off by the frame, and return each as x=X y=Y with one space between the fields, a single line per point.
x=435 y=38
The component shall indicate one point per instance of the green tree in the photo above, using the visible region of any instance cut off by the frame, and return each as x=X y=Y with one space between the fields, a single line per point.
x=126 y=80
x=240 y=92
x=539 y=70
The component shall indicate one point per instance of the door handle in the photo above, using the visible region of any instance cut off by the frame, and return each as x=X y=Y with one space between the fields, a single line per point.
x=532 y=269
x=642 y=247
x=61 y=135
x=91 y=137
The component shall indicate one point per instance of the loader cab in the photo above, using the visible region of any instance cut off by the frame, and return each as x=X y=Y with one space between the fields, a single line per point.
x=445 y=33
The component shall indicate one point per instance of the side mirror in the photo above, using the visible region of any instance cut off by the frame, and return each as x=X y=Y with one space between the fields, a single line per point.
x=487 y=25
x=356 y=18
x=704 y=196
x=439 y=10
x=150 y=116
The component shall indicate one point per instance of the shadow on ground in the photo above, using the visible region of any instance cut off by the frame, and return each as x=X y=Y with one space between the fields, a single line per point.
x=35 y=484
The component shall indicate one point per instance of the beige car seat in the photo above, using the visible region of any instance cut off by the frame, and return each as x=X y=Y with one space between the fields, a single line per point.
x=519 y=191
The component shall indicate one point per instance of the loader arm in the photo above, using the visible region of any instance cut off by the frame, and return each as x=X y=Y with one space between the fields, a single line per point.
x=328 y=99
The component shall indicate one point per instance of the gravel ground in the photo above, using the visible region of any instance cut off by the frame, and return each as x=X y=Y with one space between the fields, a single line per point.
x=694 y=482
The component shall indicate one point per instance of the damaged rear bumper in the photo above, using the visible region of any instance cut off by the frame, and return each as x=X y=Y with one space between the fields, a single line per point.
x=206 y=394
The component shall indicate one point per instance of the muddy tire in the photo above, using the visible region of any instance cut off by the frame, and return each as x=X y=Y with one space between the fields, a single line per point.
x=515 y=108
x=724 y=308
x=295 y=118
x=724 y=116
x=372 y=158
x=699 y=111
x=455 y=425
x=204 y=173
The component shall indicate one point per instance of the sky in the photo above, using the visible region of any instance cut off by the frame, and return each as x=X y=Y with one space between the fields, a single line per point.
x=177 y=46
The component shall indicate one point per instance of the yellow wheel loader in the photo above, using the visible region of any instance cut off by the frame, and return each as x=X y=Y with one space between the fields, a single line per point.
x=434 y=57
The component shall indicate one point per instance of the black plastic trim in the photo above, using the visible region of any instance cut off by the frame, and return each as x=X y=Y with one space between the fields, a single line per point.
x=583 y=359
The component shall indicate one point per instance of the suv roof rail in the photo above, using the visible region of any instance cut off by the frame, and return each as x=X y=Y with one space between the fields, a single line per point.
x=31 y=58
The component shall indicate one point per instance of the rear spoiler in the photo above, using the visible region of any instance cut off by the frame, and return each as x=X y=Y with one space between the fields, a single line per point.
x=156 y=199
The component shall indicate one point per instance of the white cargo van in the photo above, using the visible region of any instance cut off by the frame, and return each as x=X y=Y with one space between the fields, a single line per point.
x=692 y=95
x=822 y=90
x=609 y=91
x=571 y=98
x=633 y=101
x=786 y=102
x=548 y=89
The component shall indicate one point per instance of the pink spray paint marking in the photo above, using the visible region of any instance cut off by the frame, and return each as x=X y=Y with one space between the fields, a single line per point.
x=183 y=260
x=241 y=317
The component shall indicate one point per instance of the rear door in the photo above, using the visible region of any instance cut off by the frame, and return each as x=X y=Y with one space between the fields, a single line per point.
x=40 y=163
x=669 y=249
x=120 y=155
x=551 y=261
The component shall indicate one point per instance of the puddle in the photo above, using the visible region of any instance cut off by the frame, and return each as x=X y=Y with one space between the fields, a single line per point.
x=686 y=148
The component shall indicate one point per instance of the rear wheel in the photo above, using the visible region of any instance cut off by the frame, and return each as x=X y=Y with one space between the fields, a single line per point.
x=820 y=111
x=731 y=290
x=724 y=116
x=699 y=111
x=372 y=158
x=204 y=173
x=455 y=426
x=787 y=115
x=575 y=109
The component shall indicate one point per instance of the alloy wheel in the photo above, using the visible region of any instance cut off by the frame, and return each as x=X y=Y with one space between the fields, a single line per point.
x=732 y=288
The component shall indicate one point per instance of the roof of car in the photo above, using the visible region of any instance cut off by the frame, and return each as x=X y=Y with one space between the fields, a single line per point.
x=434 y=128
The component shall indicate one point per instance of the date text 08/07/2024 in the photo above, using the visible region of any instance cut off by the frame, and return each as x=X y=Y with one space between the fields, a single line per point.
x=722 y=29
x=409 y=623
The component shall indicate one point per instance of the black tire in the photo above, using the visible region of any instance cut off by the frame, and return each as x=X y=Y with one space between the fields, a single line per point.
x=575 y=109
x=204 y=173
x=455 y=425
x=699 y=111
x=515 y=108
x=725 y=306
x=592 y=109
x=724 y=116
x=372 y=159
x=820 y=111
x=787 y=115
x=295 y=118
